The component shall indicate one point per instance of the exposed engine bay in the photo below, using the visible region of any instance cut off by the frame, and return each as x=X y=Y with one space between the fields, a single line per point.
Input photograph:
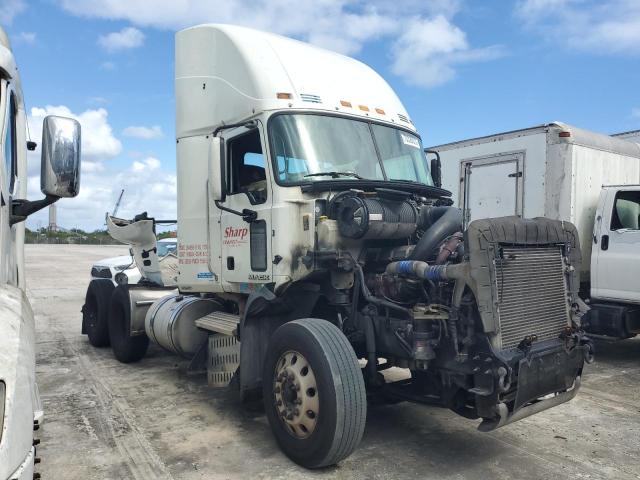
x=486 y=319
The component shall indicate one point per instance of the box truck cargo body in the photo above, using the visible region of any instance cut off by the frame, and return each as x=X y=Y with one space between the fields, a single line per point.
x=564 y=173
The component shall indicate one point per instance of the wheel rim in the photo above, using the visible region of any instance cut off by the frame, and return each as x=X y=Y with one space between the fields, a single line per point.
x=295 y=394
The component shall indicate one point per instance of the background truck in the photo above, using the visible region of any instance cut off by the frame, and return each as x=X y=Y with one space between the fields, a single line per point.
x=20 y=410
x=564 y=173
x=311 y=236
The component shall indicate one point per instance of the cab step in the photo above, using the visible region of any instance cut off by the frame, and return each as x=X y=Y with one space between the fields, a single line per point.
x=220 y=322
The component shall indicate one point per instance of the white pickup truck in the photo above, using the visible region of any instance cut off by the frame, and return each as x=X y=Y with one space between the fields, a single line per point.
x=123 y=269
x=565 y=173
x=20 y=410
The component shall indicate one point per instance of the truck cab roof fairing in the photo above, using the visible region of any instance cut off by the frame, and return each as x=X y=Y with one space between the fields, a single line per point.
x=227 y=73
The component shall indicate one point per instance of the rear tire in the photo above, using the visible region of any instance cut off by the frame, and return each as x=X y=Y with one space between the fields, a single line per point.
x=95 y=312
x=312 y=361
x=126 y=348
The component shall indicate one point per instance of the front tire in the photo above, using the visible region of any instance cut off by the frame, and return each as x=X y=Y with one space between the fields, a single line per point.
x=314 y=393
x=95 y=312
x=126 y=348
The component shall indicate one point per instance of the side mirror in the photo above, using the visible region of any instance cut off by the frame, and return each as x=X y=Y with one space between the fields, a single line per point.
x=216 y=169
x=60 y=170
x=436 y=168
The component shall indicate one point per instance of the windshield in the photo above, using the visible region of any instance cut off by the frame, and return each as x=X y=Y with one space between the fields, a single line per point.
x=305 y=145
x=165 y=248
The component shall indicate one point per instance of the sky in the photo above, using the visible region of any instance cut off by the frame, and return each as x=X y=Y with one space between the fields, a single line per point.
x=463 y=68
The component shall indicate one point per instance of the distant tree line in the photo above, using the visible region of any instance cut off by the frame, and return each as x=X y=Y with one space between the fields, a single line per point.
x=77 y=236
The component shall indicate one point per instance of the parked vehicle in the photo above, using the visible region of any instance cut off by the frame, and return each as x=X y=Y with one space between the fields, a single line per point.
x=123 y=269
x=311 y=235
x=564 y=173
x=20 y=408
x=632 y=136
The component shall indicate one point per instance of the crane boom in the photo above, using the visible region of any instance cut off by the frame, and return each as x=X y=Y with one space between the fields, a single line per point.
x=115 y=209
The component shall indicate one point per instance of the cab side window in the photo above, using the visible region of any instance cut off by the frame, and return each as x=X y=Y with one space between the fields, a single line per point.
x=626 y=211
x=246 y=167
x=10 y=151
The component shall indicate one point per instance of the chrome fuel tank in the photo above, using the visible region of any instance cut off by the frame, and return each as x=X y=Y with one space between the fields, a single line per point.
x=170 y=322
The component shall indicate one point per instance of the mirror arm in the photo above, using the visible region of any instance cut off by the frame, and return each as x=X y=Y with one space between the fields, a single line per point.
x=247 y=215
x=21 y=208
x=251 y=124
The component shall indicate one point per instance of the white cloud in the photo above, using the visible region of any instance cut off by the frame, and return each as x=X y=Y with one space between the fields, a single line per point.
x=148 y=164
x=144 y=190
x=109 y=66
x=9 y=9
x=345 y=26
x=635 y=112
x=427 y=52
x=594 y=26
x=26 y=38
x=125 y=39
x=144 y=133
x=147 y=185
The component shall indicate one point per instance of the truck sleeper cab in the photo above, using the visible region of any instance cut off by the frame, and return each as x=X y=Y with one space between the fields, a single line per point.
x=312 y=235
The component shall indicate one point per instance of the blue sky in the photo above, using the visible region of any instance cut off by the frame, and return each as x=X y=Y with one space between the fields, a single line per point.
x=462 y=69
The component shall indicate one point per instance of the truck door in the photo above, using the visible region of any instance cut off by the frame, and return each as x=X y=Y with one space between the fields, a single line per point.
x=246 y=247
x=615 y=258
x=492 y=186
x=8 y=176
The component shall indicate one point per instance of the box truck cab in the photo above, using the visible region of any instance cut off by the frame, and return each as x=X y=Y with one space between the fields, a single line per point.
x=311 y=236
x=615 y=263
x=20 y=410
x=566 y=173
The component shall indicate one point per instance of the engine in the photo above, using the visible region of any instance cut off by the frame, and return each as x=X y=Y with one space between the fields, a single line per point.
x=460 y=309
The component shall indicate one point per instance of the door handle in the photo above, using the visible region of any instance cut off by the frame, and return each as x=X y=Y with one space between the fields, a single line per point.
x=604 y=242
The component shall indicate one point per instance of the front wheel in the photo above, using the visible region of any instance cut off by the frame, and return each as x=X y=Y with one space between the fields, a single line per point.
x=314 y=393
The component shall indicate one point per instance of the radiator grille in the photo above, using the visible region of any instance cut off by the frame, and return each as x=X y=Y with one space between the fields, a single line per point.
x=532 y=294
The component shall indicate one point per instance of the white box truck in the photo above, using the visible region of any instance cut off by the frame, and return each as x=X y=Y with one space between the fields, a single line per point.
x=311 y=235
x=20 y=410
x=565 y=173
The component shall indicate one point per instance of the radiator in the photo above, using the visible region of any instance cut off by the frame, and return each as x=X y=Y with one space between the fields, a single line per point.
x=532 y=294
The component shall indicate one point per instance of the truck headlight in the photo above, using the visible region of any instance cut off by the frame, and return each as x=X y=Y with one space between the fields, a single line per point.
x=3 y=397
x=120 y=268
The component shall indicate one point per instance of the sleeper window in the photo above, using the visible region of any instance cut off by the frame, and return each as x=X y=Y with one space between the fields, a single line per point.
x=246 y=167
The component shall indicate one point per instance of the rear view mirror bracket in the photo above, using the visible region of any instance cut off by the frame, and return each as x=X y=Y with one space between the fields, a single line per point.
x=22 y=208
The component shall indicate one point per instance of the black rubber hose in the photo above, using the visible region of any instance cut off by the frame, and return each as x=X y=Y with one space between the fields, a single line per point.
x=438 y=223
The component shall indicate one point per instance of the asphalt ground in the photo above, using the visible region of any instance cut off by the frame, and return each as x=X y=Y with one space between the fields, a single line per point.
x=151 y=420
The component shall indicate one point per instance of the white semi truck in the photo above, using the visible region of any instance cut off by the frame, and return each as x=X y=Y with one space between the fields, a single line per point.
x=564 y=173
x=311 y=236
x=20 y=410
